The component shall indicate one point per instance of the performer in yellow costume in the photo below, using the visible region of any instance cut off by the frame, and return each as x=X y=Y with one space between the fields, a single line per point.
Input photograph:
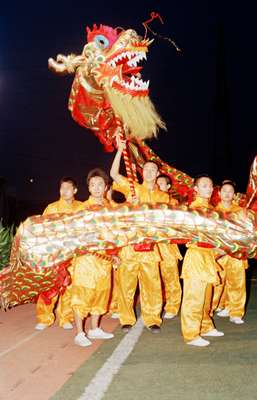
x=199 y=273
x=114 y=308
x=139 y=263
x=233 y=282
x=116 y=199
x=169 y=265
x=92 y=274
x=45 y=313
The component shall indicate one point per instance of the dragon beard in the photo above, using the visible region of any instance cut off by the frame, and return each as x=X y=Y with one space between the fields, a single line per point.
x=137 y=113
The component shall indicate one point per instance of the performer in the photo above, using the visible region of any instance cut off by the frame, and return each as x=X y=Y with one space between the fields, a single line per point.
x=113 y=308
x=164 y=184
x=199 y=273
x=169 y=265
x=233 y=282
x=139 y=263
x=45 y=315
x=92 y=273
x=115 y=198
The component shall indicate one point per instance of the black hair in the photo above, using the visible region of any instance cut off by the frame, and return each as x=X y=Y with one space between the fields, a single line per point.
x=168 y=180
x=151 y=162
x=97 y=172
x=69 y=179
x=228 y=182
x=198 y=177
x=118 y=197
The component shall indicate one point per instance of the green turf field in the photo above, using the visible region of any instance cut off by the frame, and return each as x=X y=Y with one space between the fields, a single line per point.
x=163 y=367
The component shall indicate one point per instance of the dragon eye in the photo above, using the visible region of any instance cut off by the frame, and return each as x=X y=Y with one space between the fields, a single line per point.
x=101 y=41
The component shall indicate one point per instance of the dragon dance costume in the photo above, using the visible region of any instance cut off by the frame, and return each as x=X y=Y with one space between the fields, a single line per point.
x=91 y=279
x=114 y=299
x=170 y=255
x=45 y=305
x=233 y=284
x=138 y=265
x=199 y=274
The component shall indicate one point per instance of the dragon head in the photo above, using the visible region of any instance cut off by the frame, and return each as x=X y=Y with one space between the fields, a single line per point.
x=114 y=56
x=108 y=83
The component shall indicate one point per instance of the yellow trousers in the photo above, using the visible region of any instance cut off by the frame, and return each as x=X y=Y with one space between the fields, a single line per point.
x=113 y=307
x=91 y=285
x=170 y=255
x=218 y=298
x=130 y=272
x=199 y=273
x=86 y=301
x=45 y=313
x=232 y=291
x=195 y=309
x=172 y=287
x=222 y=300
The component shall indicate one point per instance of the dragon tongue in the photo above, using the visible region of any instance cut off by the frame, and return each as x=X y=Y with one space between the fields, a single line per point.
x=130 y=70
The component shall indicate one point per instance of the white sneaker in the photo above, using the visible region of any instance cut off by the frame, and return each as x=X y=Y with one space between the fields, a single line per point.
x=200 y=342
x=223 y=313
x=168 y=315
x=236 y=320
x=40 y=326
x=98 y=333
x=213 y=332
x=67 y=326
x=115 y=315
x=81 y=340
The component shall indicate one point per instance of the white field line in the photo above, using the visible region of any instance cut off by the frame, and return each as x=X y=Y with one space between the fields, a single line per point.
x=104 y=376
x=3 y=353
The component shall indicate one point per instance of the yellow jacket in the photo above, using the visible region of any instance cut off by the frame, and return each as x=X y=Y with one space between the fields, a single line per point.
x=199 y=263
x=227 y=260
x=144 y=195
x=61 y=206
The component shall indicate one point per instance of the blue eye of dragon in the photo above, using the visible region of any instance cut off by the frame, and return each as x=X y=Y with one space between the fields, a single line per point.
x=101 y=41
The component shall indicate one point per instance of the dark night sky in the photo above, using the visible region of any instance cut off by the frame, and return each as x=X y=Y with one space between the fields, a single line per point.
x=207 y=95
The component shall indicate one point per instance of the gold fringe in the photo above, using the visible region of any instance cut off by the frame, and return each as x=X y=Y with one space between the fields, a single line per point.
x=137 y=113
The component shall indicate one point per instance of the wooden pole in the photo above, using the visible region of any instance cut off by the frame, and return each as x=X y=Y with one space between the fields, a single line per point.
x=127 y=161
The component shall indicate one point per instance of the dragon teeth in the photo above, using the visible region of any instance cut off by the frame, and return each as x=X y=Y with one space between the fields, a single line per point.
x=138 y=57
x=135 y=84
x=132 y=63
x=132 y=56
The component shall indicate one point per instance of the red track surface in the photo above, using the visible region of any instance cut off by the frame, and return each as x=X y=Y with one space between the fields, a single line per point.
x=34 y=364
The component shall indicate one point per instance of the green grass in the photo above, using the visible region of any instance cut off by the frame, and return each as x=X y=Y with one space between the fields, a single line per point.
x=163 y=367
